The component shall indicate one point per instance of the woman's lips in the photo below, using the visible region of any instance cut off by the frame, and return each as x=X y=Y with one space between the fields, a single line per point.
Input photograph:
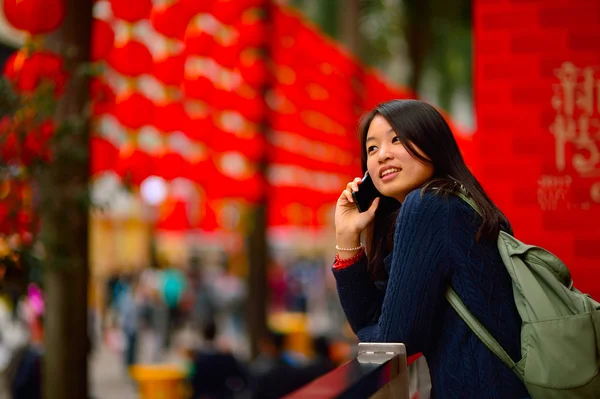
x=389 y=176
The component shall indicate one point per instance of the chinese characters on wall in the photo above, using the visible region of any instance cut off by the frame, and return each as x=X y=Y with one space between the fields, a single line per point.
x=576 y=131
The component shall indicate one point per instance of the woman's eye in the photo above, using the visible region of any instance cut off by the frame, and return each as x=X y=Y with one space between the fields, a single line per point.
x=395 y=139
x=371 y=149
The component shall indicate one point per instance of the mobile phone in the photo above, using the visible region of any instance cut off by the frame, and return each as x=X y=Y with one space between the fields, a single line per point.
x=366 y=193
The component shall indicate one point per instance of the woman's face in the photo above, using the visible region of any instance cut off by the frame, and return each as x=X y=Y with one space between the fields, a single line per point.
x=394 y=171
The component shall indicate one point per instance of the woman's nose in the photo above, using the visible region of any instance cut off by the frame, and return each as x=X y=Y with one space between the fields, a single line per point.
x=384 y=154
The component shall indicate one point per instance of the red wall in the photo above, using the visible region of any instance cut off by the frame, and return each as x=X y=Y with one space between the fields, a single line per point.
x=537 y=88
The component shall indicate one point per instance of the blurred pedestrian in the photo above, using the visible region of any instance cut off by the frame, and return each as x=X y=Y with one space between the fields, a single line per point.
x=20 y=361
x=216 y=374
x=129 y=314
x=173 y=285
x=276 y=372
x=321 y=363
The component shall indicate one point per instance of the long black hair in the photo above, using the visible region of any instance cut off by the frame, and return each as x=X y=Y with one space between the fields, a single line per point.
x=419 y=124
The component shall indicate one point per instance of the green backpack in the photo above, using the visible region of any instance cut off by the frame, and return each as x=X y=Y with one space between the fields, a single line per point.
x=560 y=334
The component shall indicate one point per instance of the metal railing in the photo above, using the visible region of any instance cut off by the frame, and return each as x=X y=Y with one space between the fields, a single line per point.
x=379 y=371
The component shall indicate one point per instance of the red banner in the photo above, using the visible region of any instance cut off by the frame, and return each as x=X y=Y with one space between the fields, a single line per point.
x=538 y=107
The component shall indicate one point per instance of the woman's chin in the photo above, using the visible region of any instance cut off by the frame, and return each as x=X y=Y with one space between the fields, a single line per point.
x=396 y=194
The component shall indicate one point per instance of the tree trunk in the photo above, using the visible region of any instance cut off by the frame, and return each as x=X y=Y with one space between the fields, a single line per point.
x=65 y=206
x=256 y=243
x=418 y=33
x=349 y=16
x=327 y=17
x=257 y=279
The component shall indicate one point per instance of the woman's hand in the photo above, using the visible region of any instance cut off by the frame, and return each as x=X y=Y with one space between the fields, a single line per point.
x=349 y=222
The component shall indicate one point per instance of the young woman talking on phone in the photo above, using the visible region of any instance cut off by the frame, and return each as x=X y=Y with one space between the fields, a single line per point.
x=419 y=238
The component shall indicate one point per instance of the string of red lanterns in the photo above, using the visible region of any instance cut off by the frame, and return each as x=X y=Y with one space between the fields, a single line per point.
x=217 y=62
x=34 y=16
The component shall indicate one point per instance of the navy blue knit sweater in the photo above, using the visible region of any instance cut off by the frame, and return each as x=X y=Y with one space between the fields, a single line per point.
x=434 y=246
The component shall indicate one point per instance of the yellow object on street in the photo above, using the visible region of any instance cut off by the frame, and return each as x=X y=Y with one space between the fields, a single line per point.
x=159 y=381
x=294 y=325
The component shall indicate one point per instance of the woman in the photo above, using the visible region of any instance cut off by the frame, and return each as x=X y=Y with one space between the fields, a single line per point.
x=420 y=239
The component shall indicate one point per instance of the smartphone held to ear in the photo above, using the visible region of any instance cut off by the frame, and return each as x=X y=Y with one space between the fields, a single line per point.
x=366 y=193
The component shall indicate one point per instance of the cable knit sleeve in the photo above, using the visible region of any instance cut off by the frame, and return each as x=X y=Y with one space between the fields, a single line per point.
x=418 y=277
x=360 y=298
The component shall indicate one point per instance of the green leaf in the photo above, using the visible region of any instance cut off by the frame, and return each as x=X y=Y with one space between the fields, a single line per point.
x=9 y=100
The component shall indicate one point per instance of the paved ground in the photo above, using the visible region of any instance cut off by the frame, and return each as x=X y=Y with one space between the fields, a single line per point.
x=108 y=378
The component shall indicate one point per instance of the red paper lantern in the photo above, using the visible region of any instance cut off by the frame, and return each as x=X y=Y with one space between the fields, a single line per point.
x=287 y=122
x=101 y=96
x=284 y=54
x=5 y=216
x=103 y=39
x=251 y=148
x=208 y=221
x=285 y=24
x=171 y=166
x=194 y=7
x=26 y=141
x=26 y=222
x=253 y=68
x=250 y=190
x=132 y=59
x=104 y=155
x=227 y=55
x=253 y=34
x=197 y=40
x=199 y=129
x=253 y=109
x=252 y=29
x=35 y=16
x=222 y=99
x=171 y=70
x=198 y=43
x=255 y=74
x=198 y=171
x=171 y=117
x=176 y=218
x=171 y=20
x=253 y=3
x=28 y=72
x=250 y=104
x=16 y=213
x=228 y=11
x=134 y=165
x=36 y=143
x=12 y=71
x=10 y=148
x=131 y=10
x=134 y=111
x=201 y=87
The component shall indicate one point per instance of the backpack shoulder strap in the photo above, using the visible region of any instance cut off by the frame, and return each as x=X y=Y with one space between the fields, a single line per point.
x=478 y=329
x=468 y=200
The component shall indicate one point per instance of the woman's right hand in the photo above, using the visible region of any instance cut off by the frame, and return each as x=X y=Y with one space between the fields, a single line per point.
x=349 y=222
